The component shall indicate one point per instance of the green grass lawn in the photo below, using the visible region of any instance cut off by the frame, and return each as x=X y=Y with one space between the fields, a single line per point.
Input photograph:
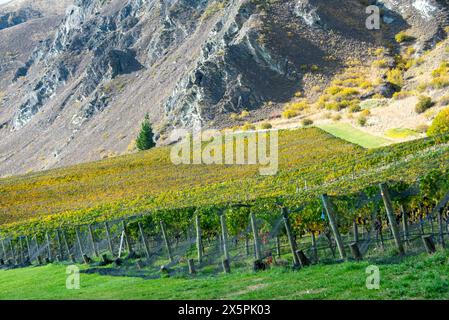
x=349 y=133
x=418 y=277
x=400 y=133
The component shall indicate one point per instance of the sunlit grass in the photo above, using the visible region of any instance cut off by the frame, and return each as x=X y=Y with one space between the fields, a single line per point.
x=349 y=133
x=400 y=133
x=419 y=277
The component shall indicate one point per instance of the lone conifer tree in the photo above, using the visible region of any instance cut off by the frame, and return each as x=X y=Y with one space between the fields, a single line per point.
x=145 y=139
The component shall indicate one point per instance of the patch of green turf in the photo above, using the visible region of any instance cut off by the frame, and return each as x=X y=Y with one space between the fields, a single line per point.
x=373 y=103
x=418 y=277
x=349 y=133
x=400 y=133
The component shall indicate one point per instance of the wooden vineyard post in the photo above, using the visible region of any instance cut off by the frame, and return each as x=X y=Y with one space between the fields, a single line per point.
x=22 y=255
x=5 y=256
x=429 y=244
x=13 y=254
x=278 y=247
x=421 y=225
x=92 y=241
x=379 y=233
x=404 y=224
x=224 y=233
x=125 y=237
x=27 y=242
x=356 y=231
x=247 y=245
x=199 y=243
x=38 y=255
x=47 y=238
x=430 y=219
x=291 y=240
x=191 y=264
x=66 y=244
x=440 y=227
x=226 y=266
x=108 y=236
x=78 y=239
x=391 y=218
x=355 y=251
x=314 y=248
x=220 y=242
x=303 y=260
x=144 y=241
x=58 y=240
x=256 y=236
x=167 y=243
x=331 y=215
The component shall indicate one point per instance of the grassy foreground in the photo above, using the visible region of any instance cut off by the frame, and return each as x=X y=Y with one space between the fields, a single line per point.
x=419 y=277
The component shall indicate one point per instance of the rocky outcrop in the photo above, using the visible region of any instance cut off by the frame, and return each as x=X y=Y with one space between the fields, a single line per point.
x=11 y=19
x=427 y=18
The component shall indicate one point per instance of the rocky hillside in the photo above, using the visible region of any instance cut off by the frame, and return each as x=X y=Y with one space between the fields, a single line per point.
x=76 y=89
x=23 y=24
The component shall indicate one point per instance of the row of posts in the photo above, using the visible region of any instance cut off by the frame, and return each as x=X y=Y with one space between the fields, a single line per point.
x=299 y=258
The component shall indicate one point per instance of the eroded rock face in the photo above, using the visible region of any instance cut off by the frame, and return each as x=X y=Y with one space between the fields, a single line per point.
x=84 y=90
x=426 y=17
x=11 y=19
x=108 y=34
x=23 y=24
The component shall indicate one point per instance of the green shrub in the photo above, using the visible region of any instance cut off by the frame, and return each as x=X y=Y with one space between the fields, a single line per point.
x=402 y=37
x=440 y=124
x=422 y=87
x=423 y=104
x=145 y=140
x=439 y=82
x=307 y=122
x=266 y=126
x=365 y=113
x=355 y=108
x=347 y=92
x=381 y=63
x=333 y=90
x=337 y=117
x=298 y=106
x=402 y=95
x=442 y=70
x=362 y=121
x=395 y=77
x=288 y=114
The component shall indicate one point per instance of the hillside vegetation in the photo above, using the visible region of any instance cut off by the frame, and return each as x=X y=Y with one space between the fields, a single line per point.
x=310 y=162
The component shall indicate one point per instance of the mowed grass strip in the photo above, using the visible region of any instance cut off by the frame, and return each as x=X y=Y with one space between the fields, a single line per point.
x=349 y=133
x=418 y=277
x=401 y=133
